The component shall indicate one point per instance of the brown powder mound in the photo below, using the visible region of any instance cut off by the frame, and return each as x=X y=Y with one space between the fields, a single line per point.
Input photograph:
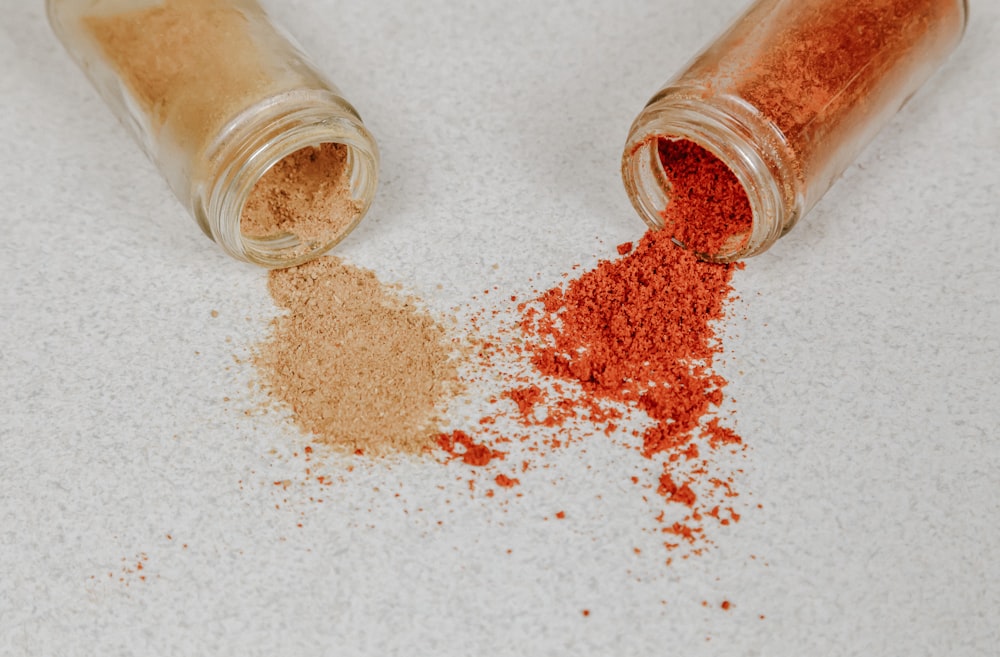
x=307 y=193
x=361 y=368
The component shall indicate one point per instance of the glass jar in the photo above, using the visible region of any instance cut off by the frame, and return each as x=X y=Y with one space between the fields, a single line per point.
x=246 y=132
x=787 y=97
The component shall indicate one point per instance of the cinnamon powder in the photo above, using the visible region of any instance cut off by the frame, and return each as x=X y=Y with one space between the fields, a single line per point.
x=359 y=365
x=307 y=193
x=192 y=65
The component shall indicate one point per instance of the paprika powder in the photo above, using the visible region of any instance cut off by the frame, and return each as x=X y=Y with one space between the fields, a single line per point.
x=786 y=98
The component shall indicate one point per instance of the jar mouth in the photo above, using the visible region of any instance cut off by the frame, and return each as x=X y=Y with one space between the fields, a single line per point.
x=727 y=131
x=243 y=164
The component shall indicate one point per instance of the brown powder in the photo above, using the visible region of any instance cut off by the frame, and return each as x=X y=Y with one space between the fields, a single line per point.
x=359 y=365
x=192 y=65
x=307 y=193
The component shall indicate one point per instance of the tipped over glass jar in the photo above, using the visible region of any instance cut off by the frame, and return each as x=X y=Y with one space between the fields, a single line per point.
x=771 y=113
x=273 y=163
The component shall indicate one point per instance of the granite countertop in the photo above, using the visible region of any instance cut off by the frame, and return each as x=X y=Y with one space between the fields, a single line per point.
x=863 y=359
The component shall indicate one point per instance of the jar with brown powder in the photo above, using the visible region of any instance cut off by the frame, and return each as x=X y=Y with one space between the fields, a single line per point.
x=273 y=163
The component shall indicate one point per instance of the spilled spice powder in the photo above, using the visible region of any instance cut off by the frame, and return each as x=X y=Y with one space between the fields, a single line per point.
x=358 y=364
x=708 y=211
x=630 y=343
x=640 y=330
x=459 y=445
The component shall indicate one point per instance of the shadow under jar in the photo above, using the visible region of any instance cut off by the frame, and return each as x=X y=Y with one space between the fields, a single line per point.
x=784 y=100
x=273 y=163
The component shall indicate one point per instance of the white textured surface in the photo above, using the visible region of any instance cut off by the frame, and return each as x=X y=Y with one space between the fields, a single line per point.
x=868 y=341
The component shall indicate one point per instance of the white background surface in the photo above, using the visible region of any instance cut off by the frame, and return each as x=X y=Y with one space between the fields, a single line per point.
x=868 y=341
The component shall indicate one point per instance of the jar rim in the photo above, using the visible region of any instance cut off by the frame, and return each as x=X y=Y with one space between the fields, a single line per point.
x=737 y=135
x=256 y=141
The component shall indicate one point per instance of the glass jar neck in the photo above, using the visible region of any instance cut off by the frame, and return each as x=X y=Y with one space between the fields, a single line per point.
x=734 y=132
x=263 y=135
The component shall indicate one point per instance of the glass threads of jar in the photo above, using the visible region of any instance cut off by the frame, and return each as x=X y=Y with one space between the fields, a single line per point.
x=272 y=162
x=786 y=99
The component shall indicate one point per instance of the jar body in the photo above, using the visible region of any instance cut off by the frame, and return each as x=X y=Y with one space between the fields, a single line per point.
x=788 y=96
x=216 y=96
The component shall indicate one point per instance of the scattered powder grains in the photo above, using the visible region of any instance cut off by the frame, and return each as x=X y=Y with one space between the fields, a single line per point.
x=359 y=365
x=641 y=331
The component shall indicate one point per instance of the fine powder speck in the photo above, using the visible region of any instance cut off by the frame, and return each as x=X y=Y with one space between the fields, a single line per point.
x=359 y=365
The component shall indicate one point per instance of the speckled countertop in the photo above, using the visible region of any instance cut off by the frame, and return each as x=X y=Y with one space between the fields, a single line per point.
x=864 y=358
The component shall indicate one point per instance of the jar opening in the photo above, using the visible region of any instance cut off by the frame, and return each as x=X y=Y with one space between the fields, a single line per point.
x=707 y=209
x=289 y=181
x=701 y=171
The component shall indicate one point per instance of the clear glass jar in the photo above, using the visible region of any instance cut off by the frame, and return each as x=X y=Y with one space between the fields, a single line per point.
x=216 y=96
x=787 y=97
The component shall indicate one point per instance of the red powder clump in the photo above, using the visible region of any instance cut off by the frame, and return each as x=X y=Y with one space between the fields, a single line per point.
x=526 y=399
x=471 y=452
x=506 y=482
x=640 y=330
x=708 y=211
x=674 y=493
x=632 y=339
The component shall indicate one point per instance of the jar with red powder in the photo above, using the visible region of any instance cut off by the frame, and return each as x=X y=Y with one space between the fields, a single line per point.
x=763 y=121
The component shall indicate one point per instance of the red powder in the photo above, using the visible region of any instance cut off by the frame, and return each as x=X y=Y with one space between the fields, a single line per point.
x=726 y=605
x=506 y=482
x=708 y=211
x=461 y=446
x=638 y=332
x=641 y=330
x=719 y=435
x=674 y=493
x=526 y=398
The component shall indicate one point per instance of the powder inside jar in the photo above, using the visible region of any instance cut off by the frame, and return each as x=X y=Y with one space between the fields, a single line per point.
x=307 y=194
x=191 y=65
x=708 y=211
x=358 y=364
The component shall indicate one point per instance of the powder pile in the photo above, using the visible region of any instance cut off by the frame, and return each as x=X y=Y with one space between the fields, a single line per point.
x=359 y=365
x=307 y=193
x=630 y=343
x=708 y=211
x=639 y=330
